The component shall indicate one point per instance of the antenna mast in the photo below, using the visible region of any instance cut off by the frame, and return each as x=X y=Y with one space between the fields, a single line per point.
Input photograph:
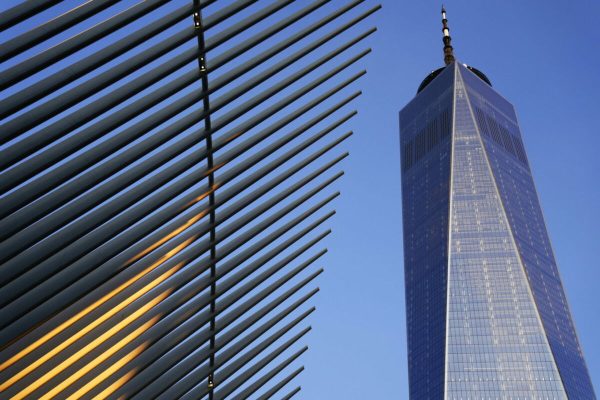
x=448 y=50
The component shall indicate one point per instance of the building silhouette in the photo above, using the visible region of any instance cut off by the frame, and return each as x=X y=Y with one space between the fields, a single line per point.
x=487 y=316
x=167 y=172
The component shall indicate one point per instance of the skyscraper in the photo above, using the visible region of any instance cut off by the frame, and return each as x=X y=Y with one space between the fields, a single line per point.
x=487 y=315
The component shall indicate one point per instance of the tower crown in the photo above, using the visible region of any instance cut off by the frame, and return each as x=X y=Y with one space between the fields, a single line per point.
x=449 y=57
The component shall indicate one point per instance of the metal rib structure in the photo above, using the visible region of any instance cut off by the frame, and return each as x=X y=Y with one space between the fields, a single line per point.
x=167 y=173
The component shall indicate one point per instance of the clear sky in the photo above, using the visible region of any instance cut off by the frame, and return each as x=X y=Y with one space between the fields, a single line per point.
x=544 y=57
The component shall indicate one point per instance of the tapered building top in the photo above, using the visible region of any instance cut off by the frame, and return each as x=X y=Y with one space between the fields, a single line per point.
x=448 y=50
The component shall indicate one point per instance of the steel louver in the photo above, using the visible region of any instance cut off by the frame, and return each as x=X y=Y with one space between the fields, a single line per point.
x=168 y=172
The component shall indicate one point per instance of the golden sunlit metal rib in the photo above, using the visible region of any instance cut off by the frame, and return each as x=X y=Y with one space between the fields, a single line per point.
x=168 y=237
x=106 y=373
x=85 y=312
x=96 y=322
x=204 y=195
x=112 y=369
x=89 y=347
x=116 y=385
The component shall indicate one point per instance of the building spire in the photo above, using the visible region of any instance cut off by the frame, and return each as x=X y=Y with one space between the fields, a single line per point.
x=448 y=50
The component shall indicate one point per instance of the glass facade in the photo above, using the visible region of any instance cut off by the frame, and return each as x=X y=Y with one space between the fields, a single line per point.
x=426 y=170
x=487 y=317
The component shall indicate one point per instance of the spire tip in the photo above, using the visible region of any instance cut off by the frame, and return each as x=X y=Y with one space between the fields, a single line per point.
x=448 y=50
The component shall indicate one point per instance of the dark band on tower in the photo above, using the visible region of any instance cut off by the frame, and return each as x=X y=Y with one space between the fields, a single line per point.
x=448 y=50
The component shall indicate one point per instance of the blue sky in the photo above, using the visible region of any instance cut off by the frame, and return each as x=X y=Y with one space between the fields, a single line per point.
x=543 y=59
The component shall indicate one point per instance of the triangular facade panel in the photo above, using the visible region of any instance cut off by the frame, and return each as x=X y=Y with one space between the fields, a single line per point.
x=495 y=343
x=500 y=133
